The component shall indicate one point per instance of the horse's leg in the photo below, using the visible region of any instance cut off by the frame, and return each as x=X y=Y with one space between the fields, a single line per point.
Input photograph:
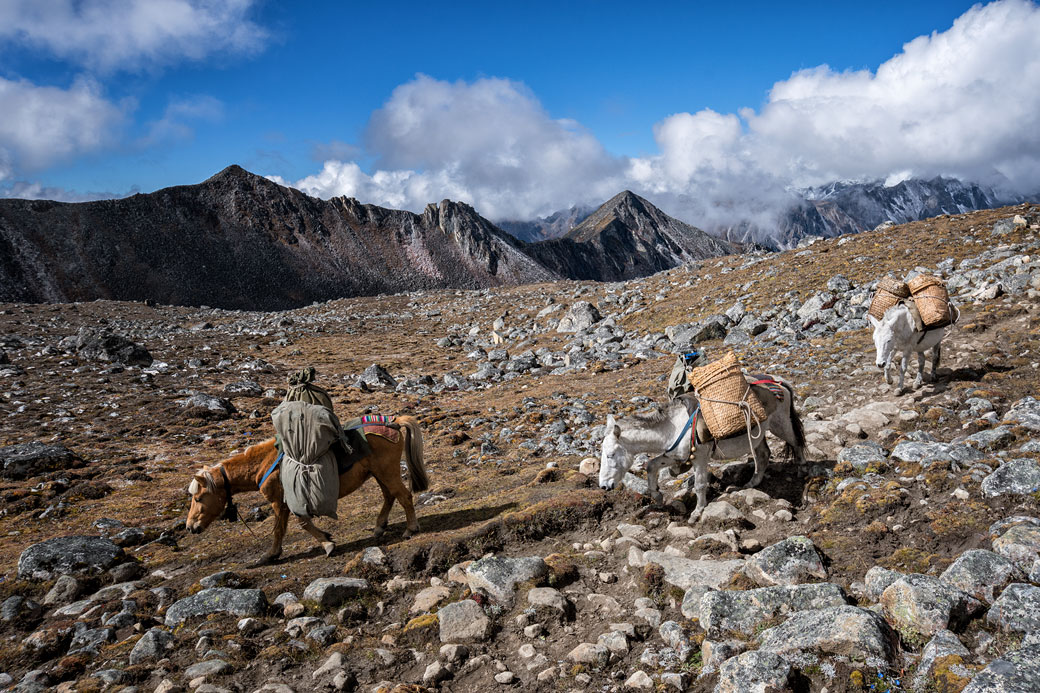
x=888 y=370
x=389 y=476
x=760 y=452
x=902 y=370
x=700 y=480
x=324 y=538
x=653 y=470
x=936 y=356
x=281 y=521
x=384 y=512
x=920 y=370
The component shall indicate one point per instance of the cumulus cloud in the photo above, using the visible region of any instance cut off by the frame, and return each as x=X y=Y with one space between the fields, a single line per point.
x=963 y=102
x=34 y=190
x=41 y=125
x=179 y=113
x=131 y=34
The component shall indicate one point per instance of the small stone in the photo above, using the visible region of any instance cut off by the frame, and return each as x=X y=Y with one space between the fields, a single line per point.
x=505 y=677
x=639 y=680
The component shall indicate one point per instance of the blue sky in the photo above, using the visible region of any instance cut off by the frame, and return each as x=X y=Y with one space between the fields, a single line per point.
x=518 y=108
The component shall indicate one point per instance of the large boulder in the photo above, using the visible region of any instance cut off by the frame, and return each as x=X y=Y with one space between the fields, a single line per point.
x=76 y=555
x=1025 y=412
x=925 y=605
x=1014 y=477
x=754 y=672
x=1017 y=610
x=499 y=576
x=848 y=631
x=927 y=453
x=26 y=460
x=684 y=573
x=686 y=335
x=1020 y=544
x=105 y=345
x=462 y=622
x=217 y=600
x=581 y=316
x=942 y=647
x=982 y=574
x=723 y=612
x=789 y=562
x=1015 y=672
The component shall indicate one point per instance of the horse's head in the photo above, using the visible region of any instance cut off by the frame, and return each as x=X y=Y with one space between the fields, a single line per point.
x=208 y=499
x=614 y=459
x=886 y=335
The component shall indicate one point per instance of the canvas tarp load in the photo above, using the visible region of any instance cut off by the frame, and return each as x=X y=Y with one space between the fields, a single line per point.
x=310 y=438
x=303 y=389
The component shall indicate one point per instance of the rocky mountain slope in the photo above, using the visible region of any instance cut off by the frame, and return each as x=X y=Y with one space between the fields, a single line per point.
x=904 y=556
x=546 y=228
x=626 y=237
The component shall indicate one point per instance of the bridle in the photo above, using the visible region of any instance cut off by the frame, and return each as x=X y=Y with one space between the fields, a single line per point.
x=231 y=510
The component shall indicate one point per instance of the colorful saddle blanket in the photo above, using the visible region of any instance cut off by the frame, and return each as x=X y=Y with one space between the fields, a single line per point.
x=375 y=425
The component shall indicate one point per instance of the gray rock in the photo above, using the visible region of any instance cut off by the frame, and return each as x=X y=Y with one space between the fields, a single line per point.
x=549 y=598
x=105 y=345
x=1015 y=672
x=847 y=631
x=65 y=589
x=581 y=316
x=754 y=672
x=377 y=376
x=213 y=667
x=217 y=600
x=925 y=605
x=862 y=455
x=992 y=439
x=927 y=453
x=1017 y=610
x=90 y=640
x=76 y=555
x=248 y=388
x=331 y=592
x=737 y=611
x=943 y=644
x=26 y=460
x=152 y=646
x=714 y=653
x=1025 y=412
x=224 y=578
x=685 y=336
x=203 y=405
x=463 y=622
x=587 y=653
x=982 y=574
x=789 y=562
x=684 y=573
x=20 y=611
x=691 y=603
x=500 y=576
x=1014 y=477
x=1020 y=544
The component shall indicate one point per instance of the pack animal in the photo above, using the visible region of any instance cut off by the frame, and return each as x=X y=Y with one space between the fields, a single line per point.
x=896 y=332
x=657 y=436
x=211 y=488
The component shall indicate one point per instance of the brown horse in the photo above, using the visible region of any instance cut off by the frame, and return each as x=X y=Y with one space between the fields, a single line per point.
x=243 y=472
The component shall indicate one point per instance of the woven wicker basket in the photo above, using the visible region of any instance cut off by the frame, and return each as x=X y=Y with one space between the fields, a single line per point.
x=723 y=382
x=932 y=301
x=889 y=292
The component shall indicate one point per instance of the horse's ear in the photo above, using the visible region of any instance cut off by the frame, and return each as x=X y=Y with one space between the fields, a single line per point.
x=873 y=321
x=200 y=480
x=611 y=425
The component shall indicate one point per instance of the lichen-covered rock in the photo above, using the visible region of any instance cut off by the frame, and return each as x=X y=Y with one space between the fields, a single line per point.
x=942 y=646
x=581 y=316
x=331 y=592
x=684 y=573
x=1025 y=412
x=878 y=579
x=26 y=460
x=743 y=611
x=499 y=576
x=691 y=603
x=1020 y=544
x=1017 y=610
x=152 y=646
x=849 y=631
x=925 y=605
x=754 y=672
x=714 y=653
x=927 y=453
x=789 y=562
x=217 y=600
x=862 y=455
x=105 y=345
x=1014 y=477
x=77 y=555
x=463 y=622
x=982 y=574
x=1015 y=672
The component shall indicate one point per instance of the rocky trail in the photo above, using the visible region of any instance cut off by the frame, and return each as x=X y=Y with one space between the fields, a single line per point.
x=904 y=556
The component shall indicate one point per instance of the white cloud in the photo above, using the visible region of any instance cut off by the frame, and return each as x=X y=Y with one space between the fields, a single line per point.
x=131 y=34
x=174 y=123
x=42 y=125
x=34 y=190
x=964 y=102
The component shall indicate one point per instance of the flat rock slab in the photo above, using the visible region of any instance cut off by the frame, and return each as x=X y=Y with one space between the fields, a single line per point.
x=927 y=453
x=77 y=555
x=926 y=605
x=462 y=622
x=1015 y=672
x=1020 y=545
x=743 y=611
x=982 y=574
x=848 y=631
x=27 y=460
x=863 y=455
x=217 y=600
x=684 y=573
x=1013 y=478
x=331 y=592
x=789 y=562
x=754 y=672
x=1025 y=412
x=1017 y=610
x=499 y=576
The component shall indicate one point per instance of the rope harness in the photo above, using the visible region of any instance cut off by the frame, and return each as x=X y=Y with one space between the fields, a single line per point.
x=231 y=510
x=749 y=416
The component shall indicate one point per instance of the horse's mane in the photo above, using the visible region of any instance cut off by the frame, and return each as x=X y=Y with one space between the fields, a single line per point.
x=652 y=418
x=205 y=475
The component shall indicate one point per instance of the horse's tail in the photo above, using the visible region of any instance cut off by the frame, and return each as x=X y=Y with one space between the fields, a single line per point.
x=413 y=453
x=798 y=449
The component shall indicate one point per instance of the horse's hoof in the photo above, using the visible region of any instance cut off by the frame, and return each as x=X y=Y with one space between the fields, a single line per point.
x=264 y=560
x=695 y=516
x=328 y=547
x=378 y=532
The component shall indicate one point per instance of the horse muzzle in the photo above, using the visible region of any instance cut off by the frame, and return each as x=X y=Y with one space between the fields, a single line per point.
x=194 y=529
x=609 y=486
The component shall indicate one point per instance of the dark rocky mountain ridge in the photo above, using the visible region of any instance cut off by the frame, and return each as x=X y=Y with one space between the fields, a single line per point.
x=238 y=240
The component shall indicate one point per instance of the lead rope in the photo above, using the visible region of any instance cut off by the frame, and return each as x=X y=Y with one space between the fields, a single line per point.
x=238 y=515
x=749 y=415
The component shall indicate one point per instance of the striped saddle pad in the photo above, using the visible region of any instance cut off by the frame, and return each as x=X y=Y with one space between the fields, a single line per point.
x=375 y=425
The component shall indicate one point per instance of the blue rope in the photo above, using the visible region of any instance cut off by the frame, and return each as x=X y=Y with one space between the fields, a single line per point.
x=270 y=469
x=685 y=429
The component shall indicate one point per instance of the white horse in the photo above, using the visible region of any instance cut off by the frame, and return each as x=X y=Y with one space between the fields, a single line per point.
x=896 y=332
x=663 y=436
